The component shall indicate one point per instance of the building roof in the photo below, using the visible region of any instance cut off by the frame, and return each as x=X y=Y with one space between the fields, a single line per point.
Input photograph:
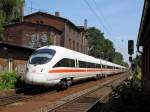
x=52 y=16
x=145 y=24
x=33 y=24
x=6 y=44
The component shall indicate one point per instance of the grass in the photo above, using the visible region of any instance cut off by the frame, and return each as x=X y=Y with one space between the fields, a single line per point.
x=10 y=80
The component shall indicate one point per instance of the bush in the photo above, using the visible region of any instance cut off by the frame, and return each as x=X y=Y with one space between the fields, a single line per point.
x=9 y=80
x=128 y=97
x=137 y=72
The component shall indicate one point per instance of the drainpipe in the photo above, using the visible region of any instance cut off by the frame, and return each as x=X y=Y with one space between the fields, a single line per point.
x=65 y=35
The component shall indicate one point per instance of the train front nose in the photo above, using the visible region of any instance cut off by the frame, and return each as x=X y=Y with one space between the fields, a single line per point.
x=35 y=78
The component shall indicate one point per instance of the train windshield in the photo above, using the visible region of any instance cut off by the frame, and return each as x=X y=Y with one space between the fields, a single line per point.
x=41 y=56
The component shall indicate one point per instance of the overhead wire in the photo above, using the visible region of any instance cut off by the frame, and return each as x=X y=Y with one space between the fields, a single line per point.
x=97 y=17
x=110 y=28
x=102 y=20
x=102 y=16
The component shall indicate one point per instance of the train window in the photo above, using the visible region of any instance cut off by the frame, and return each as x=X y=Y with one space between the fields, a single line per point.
x=41 y=56
x=103 y=66
x=99 y=66
x=65 y=63
x=116 y=67
x=87 y=65
x=82 y=64
x=109 y=67
x=93 y=65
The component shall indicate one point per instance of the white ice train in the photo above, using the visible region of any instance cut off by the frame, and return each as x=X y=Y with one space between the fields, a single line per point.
x=52 y=65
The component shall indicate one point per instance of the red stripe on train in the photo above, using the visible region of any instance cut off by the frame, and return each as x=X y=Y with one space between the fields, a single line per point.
x=78 y=70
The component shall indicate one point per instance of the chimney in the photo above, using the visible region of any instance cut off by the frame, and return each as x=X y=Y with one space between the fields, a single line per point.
x=85 y=23
x=57 y=14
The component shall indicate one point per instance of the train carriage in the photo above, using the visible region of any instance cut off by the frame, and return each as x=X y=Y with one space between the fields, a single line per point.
x=52 y=65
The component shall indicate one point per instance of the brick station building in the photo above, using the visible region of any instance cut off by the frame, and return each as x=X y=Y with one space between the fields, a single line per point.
x=144 y=42
x=32 y=35
x=36 y=30
x=38 y=27
x=14 y=57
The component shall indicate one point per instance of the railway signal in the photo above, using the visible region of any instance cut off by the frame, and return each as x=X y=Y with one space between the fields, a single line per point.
x=130 y=47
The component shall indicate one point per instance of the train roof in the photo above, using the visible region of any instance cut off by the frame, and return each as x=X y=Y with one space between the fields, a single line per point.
x=82 y=57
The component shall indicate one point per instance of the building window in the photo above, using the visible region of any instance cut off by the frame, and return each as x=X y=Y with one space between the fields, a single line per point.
x=78 y=47
x=73 y=45
x=70 y=43
x=38 y=22
x=81 y=48
x=41 y=22
x=69 y=30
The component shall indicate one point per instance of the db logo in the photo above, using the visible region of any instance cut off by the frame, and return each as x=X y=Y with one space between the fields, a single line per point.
x=33 y=71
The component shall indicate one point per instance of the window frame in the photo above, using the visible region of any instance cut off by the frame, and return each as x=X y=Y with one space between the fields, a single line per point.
x=62 y=63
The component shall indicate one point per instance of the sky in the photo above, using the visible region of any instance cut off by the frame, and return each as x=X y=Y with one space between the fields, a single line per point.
x=119 y=20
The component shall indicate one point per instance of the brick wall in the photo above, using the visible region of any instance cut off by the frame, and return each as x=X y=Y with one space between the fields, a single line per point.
x=71 y=37
x=13 y=34
x=3 y=65
x=13 y=58
x=17 y=65
x=31 y=35
x=146 y=66
x=75 y=39
x=45 y=20
x=146 y=61
x=37 y=35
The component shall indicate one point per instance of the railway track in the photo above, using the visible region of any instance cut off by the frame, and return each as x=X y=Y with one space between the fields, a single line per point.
x=12 y=99
x=23 y=96
x=88 y=100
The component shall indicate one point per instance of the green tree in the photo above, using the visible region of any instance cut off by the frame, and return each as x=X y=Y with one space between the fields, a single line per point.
x=9 y=10
x=125 y=64
x=103 y=48
x=2 y=20
x=49 y=40
x=95 y=42
x=118 y=58
x=109 y=50
x=137 y=61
